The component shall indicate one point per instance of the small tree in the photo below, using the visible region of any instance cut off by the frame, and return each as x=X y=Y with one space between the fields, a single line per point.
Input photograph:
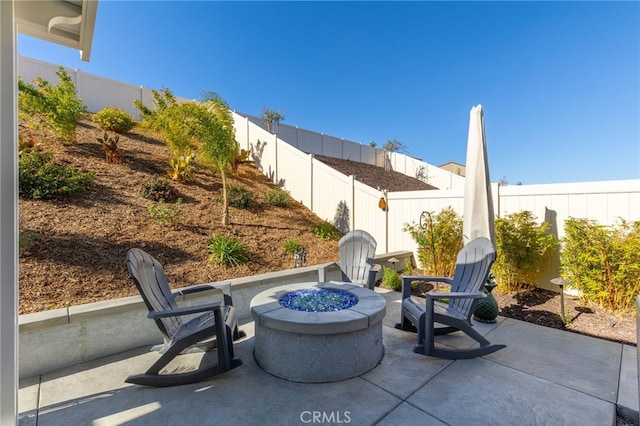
x=176 y=123
x=218 y=146
x=439 y=239
x=271 y=118
x=56 y=107
x=394 y=146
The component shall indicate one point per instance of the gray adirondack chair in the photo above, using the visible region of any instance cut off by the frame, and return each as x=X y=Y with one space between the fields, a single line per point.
x=472 y=268
x=357 y=249
x=217 y=320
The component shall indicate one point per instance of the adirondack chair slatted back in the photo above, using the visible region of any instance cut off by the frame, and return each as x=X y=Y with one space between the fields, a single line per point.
x=472 y=268
x=151 y=281
x=357 y=249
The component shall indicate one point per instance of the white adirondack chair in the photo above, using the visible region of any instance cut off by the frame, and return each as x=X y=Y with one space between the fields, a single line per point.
x=357 y=249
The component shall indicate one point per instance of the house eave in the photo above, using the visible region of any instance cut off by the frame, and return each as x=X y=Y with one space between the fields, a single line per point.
x=67 y=22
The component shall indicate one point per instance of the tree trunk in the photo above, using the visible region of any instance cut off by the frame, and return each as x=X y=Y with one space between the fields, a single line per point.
x=225 y=202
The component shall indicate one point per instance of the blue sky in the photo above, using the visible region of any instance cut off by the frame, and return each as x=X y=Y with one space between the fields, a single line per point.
x=559 y=81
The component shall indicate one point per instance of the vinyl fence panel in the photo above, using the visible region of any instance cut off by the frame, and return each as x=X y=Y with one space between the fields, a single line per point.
x=289 y=134
x=296 y=174
x=351 y=151
x=331 y=146
x=405 y=208
x=332 y=195
x=29 y=69
x=264 y=151
x=368 y=155
x=604 y=202
x=241 y=125
x=368 y=216
x=309 y=142
x=100 y=92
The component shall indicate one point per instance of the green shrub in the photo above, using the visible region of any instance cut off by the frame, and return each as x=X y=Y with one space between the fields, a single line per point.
x=391 y=279
x=603 y=262
x=165 y=214
x=155 y=189
x=183 y=167
x=114 y=119
x=56 y=107
x=41 y=178
x=238 y=196
x=227 y=251
x=325 y=231
x=439 y=239
x=28 y=240
x=523 y=250
x=290 y=246
x=277 y=197
x=408 y=267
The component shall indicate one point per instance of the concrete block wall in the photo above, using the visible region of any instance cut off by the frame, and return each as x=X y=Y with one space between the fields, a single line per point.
x=58 y=338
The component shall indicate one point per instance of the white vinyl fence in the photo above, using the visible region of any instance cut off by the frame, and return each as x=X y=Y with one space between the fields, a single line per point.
x=606 y=203
x=96 y=92
x=287 y=160
x=349 y=204
x=330 y=146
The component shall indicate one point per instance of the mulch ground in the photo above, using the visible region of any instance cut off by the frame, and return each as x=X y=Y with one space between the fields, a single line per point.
x=543 y=307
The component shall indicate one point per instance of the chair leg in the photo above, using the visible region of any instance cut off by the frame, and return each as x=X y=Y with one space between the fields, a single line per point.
x=225 y=345
x=165 y=380
x=405 y=324
x=476 y=336
x=238 y=334
x=428 y=345
x=411 y=316
x=466 y=353
x=426 y=333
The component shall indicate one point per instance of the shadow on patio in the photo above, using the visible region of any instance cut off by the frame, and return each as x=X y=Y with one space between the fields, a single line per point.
x=544 y=376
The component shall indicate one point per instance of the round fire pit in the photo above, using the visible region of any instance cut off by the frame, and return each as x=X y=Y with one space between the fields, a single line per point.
x=318 y=332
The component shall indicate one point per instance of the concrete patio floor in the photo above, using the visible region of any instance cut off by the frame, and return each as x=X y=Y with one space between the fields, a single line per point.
x=544 y=377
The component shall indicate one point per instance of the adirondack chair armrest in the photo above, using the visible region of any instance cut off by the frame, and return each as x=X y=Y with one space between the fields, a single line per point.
x=322 y=270
x=186 y=310
x=434 y=295
x=224 y=287
x=428 y=279
x=407 y=280
x=194 y=289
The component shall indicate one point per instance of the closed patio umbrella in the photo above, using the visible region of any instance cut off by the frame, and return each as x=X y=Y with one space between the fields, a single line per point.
x=478 y=217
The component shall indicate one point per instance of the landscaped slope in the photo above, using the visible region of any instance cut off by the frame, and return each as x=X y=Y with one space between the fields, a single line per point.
x=82 y=242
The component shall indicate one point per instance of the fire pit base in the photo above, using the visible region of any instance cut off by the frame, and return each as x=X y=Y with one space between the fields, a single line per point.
x=315 y=347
